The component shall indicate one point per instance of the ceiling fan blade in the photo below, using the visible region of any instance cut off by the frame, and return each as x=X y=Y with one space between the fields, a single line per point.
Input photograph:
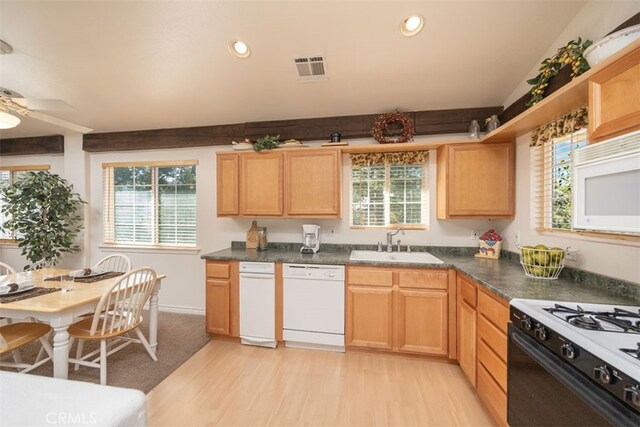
x=55 y=121
x=44 y=104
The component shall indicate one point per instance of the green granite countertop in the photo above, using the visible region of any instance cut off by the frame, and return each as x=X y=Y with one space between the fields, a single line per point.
x=504 y=277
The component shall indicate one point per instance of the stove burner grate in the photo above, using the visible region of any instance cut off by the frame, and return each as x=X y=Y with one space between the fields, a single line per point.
x=633 y=352
x=625 y=325
x=585 y=322
x=615 y=320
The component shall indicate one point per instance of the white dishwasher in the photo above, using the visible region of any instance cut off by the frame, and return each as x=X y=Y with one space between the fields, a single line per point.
x=313 y=306
x=258 y=304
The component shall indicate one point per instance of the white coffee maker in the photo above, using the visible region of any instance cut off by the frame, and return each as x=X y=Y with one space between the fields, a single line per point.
x=311 y=238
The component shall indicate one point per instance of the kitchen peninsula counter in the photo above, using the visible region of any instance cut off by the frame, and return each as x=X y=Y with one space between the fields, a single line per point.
x=504 y=277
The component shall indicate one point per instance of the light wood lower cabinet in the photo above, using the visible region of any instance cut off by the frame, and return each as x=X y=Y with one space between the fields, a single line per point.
x=370 y=317
x=222 y=298
x=482 y=344
x=403 y=310
x=422 y=321
x=217 y=312
x=467 y=327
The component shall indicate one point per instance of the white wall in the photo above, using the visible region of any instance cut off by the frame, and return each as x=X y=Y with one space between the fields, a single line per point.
x=611 y=258
x=183 y=290
x=596 y=19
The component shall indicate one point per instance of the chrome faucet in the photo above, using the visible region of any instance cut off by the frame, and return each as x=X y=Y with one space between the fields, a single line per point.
x=390 y=235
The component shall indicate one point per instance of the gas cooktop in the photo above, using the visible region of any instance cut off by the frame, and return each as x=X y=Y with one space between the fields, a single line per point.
x=609 y=332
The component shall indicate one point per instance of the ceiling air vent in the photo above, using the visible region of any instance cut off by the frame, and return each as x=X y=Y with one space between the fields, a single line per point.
x=310 y=68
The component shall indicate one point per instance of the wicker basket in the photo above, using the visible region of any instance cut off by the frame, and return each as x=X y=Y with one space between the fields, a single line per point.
x=542 y=264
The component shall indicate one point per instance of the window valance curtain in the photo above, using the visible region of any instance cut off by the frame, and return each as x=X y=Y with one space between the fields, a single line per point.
x=403 y=157
x=565 y=125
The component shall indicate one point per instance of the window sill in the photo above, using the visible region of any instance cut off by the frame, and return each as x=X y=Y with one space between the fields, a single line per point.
x=389 y=228
x=150 y=249
x=594 y=236
x=8 y=243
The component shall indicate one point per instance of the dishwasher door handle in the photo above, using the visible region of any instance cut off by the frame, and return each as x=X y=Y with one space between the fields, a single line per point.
x=256 y=276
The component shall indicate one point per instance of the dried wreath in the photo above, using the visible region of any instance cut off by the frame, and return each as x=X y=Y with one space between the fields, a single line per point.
x=383 y=134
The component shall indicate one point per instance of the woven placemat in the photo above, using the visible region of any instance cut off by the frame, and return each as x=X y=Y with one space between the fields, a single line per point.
x=35 y=292
x=97 y=278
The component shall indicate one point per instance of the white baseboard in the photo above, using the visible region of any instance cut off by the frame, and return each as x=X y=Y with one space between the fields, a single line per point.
x=182 y=310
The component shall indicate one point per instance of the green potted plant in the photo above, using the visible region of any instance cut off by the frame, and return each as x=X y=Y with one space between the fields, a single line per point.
x=44 y=214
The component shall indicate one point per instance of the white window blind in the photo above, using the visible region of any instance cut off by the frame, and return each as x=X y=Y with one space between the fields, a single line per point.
x=551 y=181
x=389 y=194
x=7 y=175
x=150 y=204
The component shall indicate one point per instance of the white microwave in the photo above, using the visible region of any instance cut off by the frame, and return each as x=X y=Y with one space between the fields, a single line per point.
x=606 y=185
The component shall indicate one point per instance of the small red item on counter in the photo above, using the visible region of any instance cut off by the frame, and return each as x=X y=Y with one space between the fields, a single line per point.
x=491 y=235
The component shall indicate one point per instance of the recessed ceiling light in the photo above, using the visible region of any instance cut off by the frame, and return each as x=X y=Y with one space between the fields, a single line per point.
x=239 y=49
x=411 y=25
x=8 y=121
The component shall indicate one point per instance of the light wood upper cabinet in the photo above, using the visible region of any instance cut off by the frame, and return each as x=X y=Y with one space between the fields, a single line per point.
x=227 y=182
x=313 y=184
x=261 y=184
x=300 y=183
x=476 y=180
x=614 y=98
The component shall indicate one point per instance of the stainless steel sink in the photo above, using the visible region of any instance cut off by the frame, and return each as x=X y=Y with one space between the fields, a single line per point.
x=418 y=257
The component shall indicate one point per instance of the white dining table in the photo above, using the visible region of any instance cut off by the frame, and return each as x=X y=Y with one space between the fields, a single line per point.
x=60 y=309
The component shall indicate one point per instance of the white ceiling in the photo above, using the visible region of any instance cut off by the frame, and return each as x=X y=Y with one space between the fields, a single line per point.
x=152 y=65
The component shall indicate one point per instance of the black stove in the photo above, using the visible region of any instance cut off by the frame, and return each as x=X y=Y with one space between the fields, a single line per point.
x=590 y=350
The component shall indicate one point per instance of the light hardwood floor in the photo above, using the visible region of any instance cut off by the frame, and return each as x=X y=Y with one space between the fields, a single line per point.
x=226 y=383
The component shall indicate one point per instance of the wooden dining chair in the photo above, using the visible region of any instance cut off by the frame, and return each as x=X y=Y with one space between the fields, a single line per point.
x=118 y=313
x=38 y=265
x=16 y=335
x=6 y=269
x=115 y=262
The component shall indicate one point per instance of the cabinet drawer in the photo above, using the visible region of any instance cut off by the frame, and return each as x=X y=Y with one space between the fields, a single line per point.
x=370 y=277
x=492 y=363
x=493 y=337
x=468 y=293
x=493 y=311
x=425 y=279
x=218 y=270
x=492 y=396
